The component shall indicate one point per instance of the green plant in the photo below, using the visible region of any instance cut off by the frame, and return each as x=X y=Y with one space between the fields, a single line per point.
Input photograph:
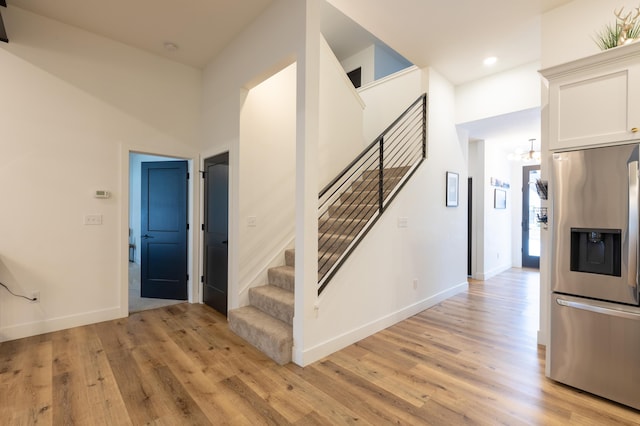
x=626 y=30
x=609 y=35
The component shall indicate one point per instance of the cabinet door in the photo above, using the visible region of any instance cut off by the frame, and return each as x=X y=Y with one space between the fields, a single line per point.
x=595 y=110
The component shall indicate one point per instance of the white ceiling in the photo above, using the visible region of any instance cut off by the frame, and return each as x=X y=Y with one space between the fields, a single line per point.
x=452 y=36
x=200 y=28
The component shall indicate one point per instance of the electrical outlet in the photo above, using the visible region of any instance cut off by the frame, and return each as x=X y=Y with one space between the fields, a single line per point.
x=35 y=295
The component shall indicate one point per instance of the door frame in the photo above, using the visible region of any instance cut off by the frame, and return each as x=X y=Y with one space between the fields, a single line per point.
x=193 y=292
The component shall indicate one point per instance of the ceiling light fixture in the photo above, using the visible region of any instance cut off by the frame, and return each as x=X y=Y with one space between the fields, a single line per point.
x=171 y=47
x=491 y=60
x=530 y=156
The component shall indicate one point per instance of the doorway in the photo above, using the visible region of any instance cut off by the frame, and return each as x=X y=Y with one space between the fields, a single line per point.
x=135 y=300
x=216 y=232
x=530 y=210
x=163 y=243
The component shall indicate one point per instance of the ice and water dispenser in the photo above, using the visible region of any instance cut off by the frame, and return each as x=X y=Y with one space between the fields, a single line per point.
x=596 y=251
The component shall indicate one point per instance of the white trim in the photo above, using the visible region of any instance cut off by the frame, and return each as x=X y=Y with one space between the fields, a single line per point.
x=482 y=276
x=389 y=77
x=337 y=343
x=61 y=323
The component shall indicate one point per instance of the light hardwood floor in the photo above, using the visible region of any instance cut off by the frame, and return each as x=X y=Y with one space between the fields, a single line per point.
x=472 y=359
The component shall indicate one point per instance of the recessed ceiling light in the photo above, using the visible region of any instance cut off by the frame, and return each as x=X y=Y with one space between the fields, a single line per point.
x=490 y=61
x=170 y=46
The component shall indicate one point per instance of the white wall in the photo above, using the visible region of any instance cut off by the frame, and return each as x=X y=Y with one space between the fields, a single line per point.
x=272 y=42
x=477 y=173
x=78 y=103
x=513 y=90
x=388 y=61
x=516 y=214
x=568 y=31
x=379 y=275
x=497 y=222
x=341 y=118
x=387 y=98
x=267 y=164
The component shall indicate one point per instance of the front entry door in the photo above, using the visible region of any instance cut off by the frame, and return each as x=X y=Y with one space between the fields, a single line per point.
x=216 y=233
x=163 y=235
x=530 y=211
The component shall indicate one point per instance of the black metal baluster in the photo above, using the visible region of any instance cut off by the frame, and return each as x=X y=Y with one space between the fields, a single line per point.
x=381 y=175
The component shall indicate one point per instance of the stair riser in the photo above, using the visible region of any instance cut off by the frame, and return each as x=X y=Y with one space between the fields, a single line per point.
x=281 y=279
x=337 y=225
x=278 y=349
x=394 y=172
x=334 y=244
x=355 y=211
x=372 y=184
x=363 y=197
x=276 y=308
x=290 y=257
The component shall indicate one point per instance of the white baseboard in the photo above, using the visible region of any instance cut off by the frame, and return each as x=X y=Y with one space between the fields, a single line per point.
x=328 y=347
x=493 y=272
x=61 y=323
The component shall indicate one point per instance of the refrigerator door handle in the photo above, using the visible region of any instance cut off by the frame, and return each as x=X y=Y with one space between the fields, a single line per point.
x=616 y=312
x=633 y=227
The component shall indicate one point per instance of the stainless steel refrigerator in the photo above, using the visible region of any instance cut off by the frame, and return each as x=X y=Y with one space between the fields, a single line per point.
x=595 y=313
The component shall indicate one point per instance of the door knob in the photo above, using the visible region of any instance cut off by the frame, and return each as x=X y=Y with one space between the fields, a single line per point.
x=145 y=236
x=634 y=130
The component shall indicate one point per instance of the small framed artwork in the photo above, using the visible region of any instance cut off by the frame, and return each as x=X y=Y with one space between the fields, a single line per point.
x=499 y=199
x=452 y=189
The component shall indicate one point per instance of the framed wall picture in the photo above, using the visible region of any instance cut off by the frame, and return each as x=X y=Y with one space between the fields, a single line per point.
x=500 y=199
x=452 y=189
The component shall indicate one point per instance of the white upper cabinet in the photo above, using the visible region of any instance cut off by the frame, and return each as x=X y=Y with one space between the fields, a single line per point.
x=595 y=101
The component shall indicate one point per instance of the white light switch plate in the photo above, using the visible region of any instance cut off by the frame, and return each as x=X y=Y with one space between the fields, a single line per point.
x=93 y=219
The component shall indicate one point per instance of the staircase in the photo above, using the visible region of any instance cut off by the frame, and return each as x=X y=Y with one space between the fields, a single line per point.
x=349 y=206
x=267 y=323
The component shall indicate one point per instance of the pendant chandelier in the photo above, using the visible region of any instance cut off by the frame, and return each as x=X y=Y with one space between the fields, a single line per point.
x=530 y=156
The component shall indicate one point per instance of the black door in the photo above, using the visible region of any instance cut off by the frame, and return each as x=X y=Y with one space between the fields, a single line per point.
x=163 y=267
x=469 y=224
x=530 y=210
x=216 y=231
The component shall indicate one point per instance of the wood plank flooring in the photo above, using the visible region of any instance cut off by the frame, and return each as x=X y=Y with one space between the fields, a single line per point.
x=472 y=359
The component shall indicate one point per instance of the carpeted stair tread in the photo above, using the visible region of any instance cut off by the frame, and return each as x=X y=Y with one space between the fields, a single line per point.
x=355 y=211
x=274 y=301
x=270 y=335
x=344 y=225
x=282 y=276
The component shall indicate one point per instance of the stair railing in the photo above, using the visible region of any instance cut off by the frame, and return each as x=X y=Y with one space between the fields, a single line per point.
x=355 y=199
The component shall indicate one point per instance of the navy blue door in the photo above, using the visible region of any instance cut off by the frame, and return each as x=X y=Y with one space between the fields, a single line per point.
x=216 y=234
x=163 y=235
